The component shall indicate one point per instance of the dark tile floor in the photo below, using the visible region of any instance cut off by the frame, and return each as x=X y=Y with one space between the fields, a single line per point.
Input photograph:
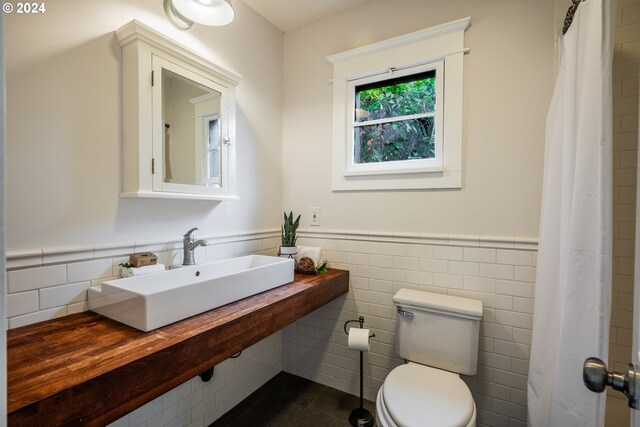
x=288 y=400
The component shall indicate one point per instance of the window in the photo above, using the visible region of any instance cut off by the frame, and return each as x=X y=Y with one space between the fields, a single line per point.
x=394 y=119
x=396 y=122
x=212 y=154
x=397 y=112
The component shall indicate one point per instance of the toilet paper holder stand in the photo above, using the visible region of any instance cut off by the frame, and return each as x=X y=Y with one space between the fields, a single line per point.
x=359 y=320
x=360 y=417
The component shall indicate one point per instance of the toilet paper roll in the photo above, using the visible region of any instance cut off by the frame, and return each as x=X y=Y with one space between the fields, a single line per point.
x=359 y=339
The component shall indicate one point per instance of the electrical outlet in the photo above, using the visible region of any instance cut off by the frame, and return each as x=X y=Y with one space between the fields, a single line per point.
x=315 y=216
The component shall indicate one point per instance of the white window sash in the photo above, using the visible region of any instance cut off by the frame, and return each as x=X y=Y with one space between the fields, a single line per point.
x=206 y=167
x=434 y=164
x=394 y=119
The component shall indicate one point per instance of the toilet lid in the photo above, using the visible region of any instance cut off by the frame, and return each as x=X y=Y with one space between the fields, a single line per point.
x=418 y=395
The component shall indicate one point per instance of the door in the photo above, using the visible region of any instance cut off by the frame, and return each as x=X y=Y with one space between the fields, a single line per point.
x=596 y=375
x=635 y=415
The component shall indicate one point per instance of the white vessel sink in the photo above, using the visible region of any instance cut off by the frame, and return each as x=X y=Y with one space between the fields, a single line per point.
x=154 y=300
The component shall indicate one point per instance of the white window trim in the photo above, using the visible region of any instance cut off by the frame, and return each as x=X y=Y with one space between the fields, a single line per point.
x=407 y=54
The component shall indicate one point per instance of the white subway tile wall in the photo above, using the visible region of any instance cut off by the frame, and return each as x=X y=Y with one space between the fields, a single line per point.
x=625 y=154
x=198 y=404
x=89 y=270
x=44 y=292
x=502 y=277
x=22 y=303
x=315 y=347
x=36 y=278
x=626 y=63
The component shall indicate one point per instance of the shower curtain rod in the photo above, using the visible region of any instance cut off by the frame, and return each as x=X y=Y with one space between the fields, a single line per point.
x=569 y=18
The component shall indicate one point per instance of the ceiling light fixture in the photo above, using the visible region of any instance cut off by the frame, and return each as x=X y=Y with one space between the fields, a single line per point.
x=183 y=13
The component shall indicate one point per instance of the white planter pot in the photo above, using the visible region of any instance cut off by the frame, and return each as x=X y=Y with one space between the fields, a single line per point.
x=288 y=251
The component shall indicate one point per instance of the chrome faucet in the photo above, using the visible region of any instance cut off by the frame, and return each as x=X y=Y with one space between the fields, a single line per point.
x=188 y=246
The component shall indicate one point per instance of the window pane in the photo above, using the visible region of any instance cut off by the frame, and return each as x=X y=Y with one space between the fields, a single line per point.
x=403 y=96
x=214 y=164
x=214 y=149
x=401 y=140
x=214 y=134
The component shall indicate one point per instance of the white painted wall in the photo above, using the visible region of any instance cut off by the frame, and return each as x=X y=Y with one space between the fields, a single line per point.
x=394 y=239
x=64 y=120
x=507 y=87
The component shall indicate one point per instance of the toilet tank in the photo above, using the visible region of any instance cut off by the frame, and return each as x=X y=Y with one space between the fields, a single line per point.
x=437 y=330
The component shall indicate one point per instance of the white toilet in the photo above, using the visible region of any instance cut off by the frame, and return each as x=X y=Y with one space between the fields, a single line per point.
x=438 y=336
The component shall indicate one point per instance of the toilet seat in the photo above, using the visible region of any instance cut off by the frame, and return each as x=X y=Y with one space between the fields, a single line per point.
x=417 y=395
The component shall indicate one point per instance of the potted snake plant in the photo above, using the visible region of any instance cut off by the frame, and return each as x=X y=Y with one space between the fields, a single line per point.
x=288 y=245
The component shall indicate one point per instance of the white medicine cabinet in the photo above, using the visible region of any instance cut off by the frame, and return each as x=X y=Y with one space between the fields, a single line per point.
x=179 y=120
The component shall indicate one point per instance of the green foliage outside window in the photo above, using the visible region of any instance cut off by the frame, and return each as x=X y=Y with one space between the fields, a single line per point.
x=396 y=140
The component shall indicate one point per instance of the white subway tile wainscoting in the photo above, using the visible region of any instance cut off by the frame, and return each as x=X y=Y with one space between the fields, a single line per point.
x=41 y=288
x=498 y=271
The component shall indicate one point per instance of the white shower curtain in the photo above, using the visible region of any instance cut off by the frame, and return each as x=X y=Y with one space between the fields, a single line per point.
x=573 y=284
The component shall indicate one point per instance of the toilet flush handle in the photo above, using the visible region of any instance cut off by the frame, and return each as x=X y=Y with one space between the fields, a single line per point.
x=407 y=314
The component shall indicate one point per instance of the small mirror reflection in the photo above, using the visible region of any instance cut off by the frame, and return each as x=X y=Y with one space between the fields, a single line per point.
x=192 y=134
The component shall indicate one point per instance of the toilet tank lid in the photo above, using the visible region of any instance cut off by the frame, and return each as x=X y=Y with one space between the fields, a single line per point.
x=437 y=302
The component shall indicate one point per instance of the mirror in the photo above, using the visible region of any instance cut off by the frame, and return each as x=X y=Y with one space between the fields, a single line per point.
x=192 y=131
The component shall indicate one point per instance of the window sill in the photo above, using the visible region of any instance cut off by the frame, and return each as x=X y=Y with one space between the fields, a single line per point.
x=444 y=179
x=394 y=171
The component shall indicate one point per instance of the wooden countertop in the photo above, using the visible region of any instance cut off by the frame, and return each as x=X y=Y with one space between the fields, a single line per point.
x=86 y=369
